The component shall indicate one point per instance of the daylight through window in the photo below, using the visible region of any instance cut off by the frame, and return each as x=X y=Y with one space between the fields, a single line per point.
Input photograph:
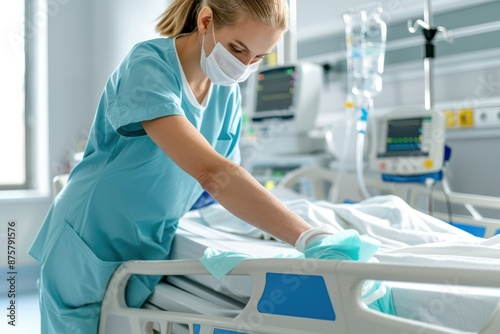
x=12 y=96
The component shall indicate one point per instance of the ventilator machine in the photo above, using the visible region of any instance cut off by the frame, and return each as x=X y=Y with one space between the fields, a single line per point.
x=283 y=104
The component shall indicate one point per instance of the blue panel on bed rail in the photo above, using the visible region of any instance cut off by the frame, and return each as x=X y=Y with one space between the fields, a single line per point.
x=477 y=231
x=303 y=296
x=225 y=331
x=197 y=328
x=497 y=232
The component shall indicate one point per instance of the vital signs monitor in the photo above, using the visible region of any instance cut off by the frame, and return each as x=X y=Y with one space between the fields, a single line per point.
x=284 y=103
x=408 y=141
x=289 y=93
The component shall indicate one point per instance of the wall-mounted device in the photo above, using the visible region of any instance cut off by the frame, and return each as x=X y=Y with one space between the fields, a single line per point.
x=408 y=141
x=283 y=104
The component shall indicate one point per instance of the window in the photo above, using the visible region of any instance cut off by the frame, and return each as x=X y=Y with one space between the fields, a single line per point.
x=13 y=152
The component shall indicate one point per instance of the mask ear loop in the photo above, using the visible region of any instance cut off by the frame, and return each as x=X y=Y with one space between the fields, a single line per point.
x=203 y=46
x=213 y=33
x=203 y=39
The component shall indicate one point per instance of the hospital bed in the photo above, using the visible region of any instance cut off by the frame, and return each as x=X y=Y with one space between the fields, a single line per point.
x=296 y=295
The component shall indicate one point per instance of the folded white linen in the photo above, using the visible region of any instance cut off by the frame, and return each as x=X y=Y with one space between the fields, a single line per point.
x=393 y=222
x=476 y=252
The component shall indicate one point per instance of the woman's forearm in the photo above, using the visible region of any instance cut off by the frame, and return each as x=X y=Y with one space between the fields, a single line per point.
x=235 y=189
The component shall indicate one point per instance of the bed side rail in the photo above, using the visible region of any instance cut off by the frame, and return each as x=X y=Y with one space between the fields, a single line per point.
x=262 y=314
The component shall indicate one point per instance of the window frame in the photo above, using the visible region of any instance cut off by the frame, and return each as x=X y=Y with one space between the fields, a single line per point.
x=36 y=115
x=30 y=7
x=28 y=13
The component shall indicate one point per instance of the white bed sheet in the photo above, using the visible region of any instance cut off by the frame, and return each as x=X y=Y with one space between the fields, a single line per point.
x=463 y=308
x=387 y=219
x=193 y=238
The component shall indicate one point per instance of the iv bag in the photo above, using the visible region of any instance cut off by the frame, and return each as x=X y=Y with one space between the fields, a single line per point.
x=366 y=35
x=374 y=55
x=355 y=47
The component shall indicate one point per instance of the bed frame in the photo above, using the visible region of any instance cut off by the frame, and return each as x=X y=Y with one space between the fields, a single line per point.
x=291 y=296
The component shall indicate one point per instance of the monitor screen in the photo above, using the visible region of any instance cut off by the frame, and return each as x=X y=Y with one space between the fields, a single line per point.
x=404 y=138
x=275 y=91
x=407 y=141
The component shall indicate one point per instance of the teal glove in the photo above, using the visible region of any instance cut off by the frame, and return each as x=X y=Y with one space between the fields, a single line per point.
x=345 y=245
x=349 y=245
x=219 y=263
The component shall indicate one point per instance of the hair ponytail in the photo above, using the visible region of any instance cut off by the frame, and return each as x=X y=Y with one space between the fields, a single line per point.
x=179 y=18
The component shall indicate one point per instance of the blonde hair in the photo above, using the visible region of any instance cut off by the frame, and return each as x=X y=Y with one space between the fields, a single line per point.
x=182 y=15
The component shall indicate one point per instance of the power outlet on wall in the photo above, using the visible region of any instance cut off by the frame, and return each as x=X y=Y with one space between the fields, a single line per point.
x=487 y=117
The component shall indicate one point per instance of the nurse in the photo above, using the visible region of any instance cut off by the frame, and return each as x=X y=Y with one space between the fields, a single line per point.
x=166 y=129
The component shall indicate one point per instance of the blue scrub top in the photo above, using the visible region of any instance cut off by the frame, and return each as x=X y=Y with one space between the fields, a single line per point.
x=124 y=199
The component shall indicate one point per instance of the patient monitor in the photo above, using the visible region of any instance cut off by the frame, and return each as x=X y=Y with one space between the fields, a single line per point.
x=407 y=141
x=284 y=102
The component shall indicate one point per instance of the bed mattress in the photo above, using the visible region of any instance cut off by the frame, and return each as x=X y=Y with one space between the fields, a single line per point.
x=453 y=306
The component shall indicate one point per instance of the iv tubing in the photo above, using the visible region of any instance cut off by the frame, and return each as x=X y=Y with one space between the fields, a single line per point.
x=360 y=146
x=349 y=110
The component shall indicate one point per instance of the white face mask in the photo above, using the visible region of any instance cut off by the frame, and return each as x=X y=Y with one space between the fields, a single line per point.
x=222 y=68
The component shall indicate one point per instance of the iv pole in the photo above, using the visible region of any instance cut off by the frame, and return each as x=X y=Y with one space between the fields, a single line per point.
x=287 y=46
x=429 y=32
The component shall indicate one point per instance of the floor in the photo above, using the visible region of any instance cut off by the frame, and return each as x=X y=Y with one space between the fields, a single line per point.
x=27 y=315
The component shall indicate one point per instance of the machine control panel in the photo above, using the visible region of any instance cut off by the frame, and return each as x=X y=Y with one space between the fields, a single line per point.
x=408 y=142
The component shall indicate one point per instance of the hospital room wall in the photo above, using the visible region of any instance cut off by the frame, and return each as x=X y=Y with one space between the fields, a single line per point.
x=475 y=160
x=86 y=41
x=467 y=74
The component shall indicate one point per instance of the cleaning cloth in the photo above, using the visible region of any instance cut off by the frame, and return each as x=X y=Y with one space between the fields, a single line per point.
x=345 y=245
